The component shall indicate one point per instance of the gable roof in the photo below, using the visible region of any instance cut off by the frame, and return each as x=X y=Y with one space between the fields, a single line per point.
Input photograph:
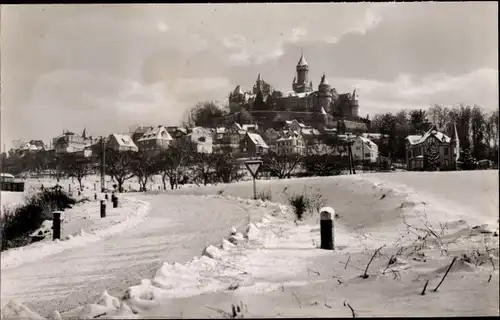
x=156 y=133
x=124 y=140
x=417 y=139
x=257 y=140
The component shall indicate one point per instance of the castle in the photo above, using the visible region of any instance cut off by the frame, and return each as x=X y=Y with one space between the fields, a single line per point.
x=263 y=104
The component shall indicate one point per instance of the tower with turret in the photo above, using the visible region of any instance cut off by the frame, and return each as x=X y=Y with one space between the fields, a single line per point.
x=354 y=104
x=301 y=82
x=325 y=95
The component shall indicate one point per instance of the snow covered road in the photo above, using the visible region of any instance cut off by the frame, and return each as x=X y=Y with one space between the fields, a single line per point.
x=176 y=229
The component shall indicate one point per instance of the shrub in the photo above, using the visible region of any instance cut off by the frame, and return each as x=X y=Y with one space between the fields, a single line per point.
x=18 y=223
x=265 y=196
x=300 y=203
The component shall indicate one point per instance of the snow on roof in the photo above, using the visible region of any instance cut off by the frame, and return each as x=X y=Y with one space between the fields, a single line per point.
x=416 y=139
x=257 y=140
x=155 y=133
x=220 y=130
x=310 y=131
x=124 y=140
x=323 y=111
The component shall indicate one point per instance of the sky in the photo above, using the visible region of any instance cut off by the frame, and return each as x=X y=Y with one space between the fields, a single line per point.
x=109 y=68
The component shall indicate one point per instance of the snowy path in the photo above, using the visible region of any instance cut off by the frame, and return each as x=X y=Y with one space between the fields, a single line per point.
x=176 y=229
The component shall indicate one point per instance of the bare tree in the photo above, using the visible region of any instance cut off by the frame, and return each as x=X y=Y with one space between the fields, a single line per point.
x=75 y=166
x=169 y=163
x=118 y=166
x=204 y=166
x=282 y=165
x=143 y=166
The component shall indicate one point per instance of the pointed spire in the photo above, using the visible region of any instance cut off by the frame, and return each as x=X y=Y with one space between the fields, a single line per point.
x=323 y=79
x=294 y=79
x=354 y=97
x=302 y=62
x=258 y=78
x=84 y=133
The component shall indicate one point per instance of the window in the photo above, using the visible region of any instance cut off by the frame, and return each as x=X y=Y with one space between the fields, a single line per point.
x=367 y=155
x=409 y=153
x=446 y=150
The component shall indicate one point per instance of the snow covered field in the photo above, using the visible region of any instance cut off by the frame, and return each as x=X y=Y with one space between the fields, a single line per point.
x=277 y=269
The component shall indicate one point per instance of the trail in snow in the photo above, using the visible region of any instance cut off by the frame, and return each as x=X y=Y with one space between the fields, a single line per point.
x=177 y=228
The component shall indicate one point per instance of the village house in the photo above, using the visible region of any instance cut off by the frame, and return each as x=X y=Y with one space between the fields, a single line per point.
x=270 y=136
x=69 y=142
x=294 y=125
x=291 y=143
x=417 y=148
x=200 y=140
x=139 y=132
x=364 y=150
x=177 y=133
x=121 y=142
x=253 y=145
x=154 y=140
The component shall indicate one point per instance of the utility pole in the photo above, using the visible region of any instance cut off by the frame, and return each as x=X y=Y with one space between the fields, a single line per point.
x=103 y=165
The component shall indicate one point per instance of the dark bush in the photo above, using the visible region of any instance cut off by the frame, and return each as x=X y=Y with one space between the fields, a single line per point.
x=17 y=224
x=300 y=203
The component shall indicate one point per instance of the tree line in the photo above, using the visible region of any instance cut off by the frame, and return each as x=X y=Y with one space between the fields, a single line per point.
x=477 y=129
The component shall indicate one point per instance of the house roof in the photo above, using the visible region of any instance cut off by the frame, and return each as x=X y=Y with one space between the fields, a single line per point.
x=368 y=142
x=37 y=143
x=155 y=133
x=124 y=140
x=417 y=139
x=289 y=122
x=257 y=140
x=311 y=131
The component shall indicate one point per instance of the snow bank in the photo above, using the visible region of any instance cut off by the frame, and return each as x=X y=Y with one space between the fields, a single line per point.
x=18 y=256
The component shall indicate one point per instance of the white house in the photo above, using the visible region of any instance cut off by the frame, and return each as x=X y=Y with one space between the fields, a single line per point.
x=121 y=142
x=363 y=149
x=154 y=140
x=201 y=139
x=291 y=143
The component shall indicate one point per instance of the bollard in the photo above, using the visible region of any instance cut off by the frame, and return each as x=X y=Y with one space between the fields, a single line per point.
x=56 y=225
x=69 y=188
x=327 y=216
x=95 y=196
x=103 y=209
x=79 y=193
x=115 y=201
x=106 y=196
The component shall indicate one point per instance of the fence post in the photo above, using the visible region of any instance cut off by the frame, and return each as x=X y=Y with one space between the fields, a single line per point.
x=103 y=209
x=327 y=216
x=56 y=224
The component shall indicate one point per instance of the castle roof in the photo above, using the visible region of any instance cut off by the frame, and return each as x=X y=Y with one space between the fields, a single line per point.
x=238 y=90
x=323 y=80
x=302 y=62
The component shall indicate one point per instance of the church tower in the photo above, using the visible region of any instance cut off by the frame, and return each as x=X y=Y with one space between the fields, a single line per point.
x=302 y=80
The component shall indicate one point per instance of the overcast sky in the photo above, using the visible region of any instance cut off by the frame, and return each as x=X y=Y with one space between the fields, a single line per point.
x=109 y=67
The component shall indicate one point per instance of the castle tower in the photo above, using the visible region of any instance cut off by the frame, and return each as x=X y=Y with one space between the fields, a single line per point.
x=354 y=104
x=302 y=84
x=325 y=95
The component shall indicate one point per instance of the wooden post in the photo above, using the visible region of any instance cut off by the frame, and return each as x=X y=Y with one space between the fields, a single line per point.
x=327 y=216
